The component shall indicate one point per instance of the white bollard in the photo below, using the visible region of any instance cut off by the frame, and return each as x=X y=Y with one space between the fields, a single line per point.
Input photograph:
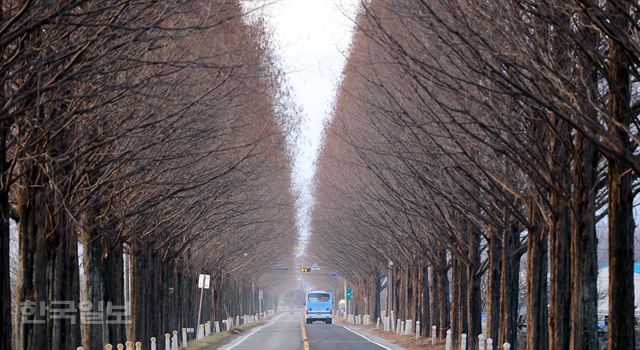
x=434 y=335
x=237 y=321
x=167 y=341
x=153 y=343
x=129 y=345
x=447 y=345
x=138 y=345
x=418 y=329
x=174 y=341
x=398 y=326
x=463 y=342
x=378 y=323
x=402 y=327
x=393 y=321
x=506 y=346
x=207 y=330
x=184 y=338
x=480 y=342
x=79 y=348
x=109 y=347
x=489 y=344
x=217 y=326
x=120 y=346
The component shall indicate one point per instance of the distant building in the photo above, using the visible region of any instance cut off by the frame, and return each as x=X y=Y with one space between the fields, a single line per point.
x=603 y=288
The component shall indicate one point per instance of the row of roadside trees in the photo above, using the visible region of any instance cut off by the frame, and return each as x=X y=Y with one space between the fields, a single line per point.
x=151 y=135
x=469 y=136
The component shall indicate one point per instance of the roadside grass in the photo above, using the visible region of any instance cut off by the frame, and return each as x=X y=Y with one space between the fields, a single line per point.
x=222 y=337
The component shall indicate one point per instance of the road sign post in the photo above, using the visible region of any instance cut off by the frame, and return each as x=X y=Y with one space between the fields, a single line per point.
x=203 y=283
x=348 y=297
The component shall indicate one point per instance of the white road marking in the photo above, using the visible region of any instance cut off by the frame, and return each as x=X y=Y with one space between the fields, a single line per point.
x=354 y=332
x=252 y=332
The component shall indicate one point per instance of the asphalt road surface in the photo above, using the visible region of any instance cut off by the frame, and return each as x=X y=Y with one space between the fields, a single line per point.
x=335 y=337
x=286 y=333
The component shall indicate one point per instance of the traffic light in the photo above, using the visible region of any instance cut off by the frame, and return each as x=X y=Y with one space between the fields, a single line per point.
x=305 y=269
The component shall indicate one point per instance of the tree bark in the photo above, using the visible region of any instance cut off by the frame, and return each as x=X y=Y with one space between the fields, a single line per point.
x=435 y=299
x=104 y=279
x=455 y=300
x=425 y=317
x=584 y=256
x=64 y=281
x=5 y=236
x=584 y=293
x=493 y=285
x=537 y=314
x=620 y=201
x=509 y=284
x=560 y=267
x=463 y=298
x=474 y=301
x=443 y=279
x=32 y=279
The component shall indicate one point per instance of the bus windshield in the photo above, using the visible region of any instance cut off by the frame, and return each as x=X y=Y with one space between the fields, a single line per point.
x=318 y=297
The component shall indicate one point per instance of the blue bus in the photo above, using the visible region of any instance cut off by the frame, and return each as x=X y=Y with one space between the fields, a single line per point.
x=319 y=307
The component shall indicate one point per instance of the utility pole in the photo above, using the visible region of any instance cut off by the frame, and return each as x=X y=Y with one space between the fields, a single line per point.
x=390 y=287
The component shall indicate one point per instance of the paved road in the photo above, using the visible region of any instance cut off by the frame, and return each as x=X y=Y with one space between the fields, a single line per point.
x=285 y=333
x=335 y=337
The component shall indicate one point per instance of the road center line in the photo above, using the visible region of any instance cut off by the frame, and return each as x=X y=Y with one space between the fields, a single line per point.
x=305 y=341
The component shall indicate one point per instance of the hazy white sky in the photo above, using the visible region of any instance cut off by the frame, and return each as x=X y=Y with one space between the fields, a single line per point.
x=312 y=38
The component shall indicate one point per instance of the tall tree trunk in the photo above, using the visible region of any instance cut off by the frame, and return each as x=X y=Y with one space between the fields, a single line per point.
x=493 y=285
x=377 y=309
x=474 y=301
x=537 y=317
x=425 y=316
x=435 y=299
x=455 y=300
x=560 y=271
x=32 y=279
x=509 y=284
x=64 y=281
x=443 y=279
x=620 y=201
x=5 y=235
x=5 y=232
x=104 y=280
x=584 y=256
x=463 y=297
x=584 y=293
x=145 y=313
